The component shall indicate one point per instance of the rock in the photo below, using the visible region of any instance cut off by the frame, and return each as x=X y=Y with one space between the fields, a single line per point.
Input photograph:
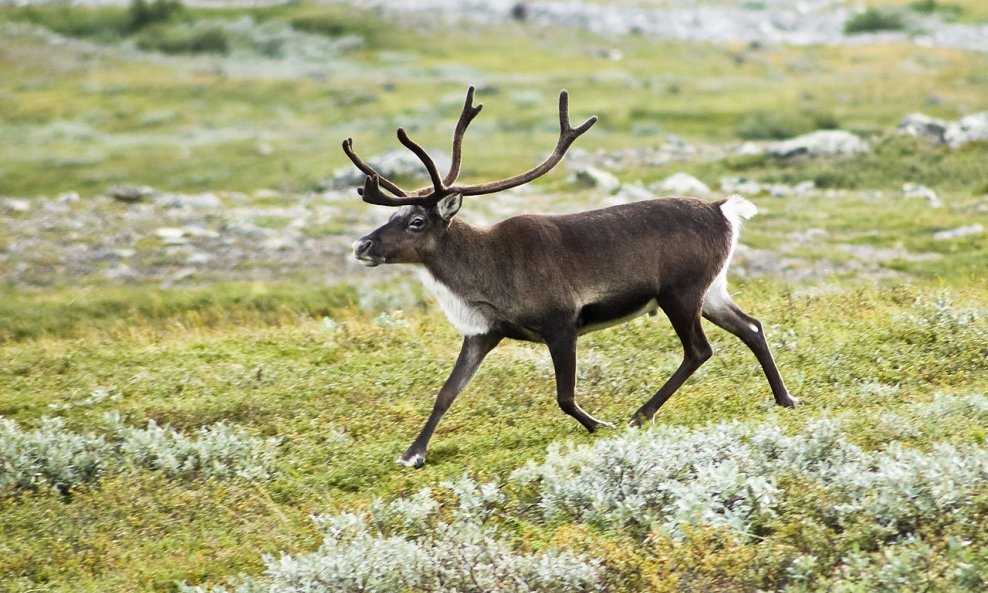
x=915 y=190
x=68 y=197
x=198 y=231
x=683 y=184
x=821 y=143
x=198 y=258
x=278 y=243
x=15 y=205
x=740 y=185
x=171 y=236
x=750 y=149
x=596 y=178
x=924 y=127
x=204 y=200
x=780 y=190
x=633 y=193
x=121 y=273
x=131 y=193
x=804 y=187
x=807 y=236
x=972 y=128
x=962 y=231
x=396 y=163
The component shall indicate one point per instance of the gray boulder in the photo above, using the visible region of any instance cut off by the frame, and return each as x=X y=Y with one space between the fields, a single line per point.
x=682 y=184
x=596 y=178
x=821 y=143
x=924 y=127
x=968 y=129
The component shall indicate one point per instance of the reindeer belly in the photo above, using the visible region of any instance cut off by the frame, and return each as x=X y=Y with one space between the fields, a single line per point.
x=613 y=311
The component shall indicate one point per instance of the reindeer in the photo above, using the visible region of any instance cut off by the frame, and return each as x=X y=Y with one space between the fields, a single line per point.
x=550 y=279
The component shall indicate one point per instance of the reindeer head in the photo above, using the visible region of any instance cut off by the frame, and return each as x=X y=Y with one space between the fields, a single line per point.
x=417 y=228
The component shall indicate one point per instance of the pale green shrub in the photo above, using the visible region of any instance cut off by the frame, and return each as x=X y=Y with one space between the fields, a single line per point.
x=53 y=456
x=912 y=565
x=49 y=456
x=730 y=475
x=220 y=450
x=408 y=545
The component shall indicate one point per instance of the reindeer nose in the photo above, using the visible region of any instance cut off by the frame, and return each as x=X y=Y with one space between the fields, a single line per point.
x=361 y=246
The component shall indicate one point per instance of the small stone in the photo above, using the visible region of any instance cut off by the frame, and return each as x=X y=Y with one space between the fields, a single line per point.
x=740 y=185
x=198 y=231
x=198 y=258
x=780 y=190
x=130 y=193
x=804 y=187
x=915 y=190
x=203 y=200
x=171 y=236
x=120 y=273
x=15 y=205
x=278 y=243
x=962 y=231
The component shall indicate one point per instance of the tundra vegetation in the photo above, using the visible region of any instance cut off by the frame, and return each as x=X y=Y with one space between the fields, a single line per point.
x=234 y=427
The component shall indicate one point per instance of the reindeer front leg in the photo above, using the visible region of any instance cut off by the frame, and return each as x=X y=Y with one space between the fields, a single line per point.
x=472 y=353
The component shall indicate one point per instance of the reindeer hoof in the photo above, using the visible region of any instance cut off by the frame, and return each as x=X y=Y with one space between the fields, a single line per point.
x=792 y=402
x=638 y=420
x=417 y=460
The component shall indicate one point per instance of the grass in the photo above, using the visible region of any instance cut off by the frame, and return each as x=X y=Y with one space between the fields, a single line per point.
x=293 y=378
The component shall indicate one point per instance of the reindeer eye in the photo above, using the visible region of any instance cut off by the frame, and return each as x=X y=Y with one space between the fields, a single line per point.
x=417 y=223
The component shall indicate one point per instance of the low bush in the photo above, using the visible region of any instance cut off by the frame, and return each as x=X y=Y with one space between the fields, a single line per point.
x=219 y=450
x=419 y=544
x=49 y=456
x=99 y=24
x=874 y=20
x=53 y=456
x=770 y=125
x=142 y=14
x=181 y=40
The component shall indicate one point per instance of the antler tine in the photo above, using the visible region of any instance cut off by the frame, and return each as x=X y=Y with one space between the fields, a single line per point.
x=564 y=125
x=438 y=189
x=567 y=135
x=469 y=112
x=372 y=194
x=369 y=171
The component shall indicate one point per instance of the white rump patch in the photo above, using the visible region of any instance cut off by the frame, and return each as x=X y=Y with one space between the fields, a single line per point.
x=735 y=209
x=466 y=318
x=717 y=298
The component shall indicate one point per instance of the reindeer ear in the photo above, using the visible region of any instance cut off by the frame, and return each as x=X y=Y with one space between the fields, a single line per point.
x=449 y=206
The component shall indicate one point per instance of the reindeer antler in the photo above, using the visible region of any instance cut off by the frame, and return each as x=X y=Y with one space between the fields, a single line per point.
x=440 y=188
